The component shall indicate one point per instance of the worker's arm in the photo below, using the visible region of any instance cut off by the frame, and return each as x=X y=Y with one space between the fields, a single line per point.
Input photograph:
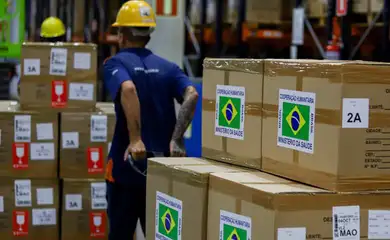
x=186 y=94
x=124 y=92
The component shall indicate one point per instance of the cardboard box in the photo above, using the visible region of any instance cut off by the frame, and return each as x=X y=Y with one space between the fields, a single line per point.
x=177 y=198
x=367 y=6
x=58 y=76
x=263 y=11
x=325 y=123
x=317 y=8
x=84 y=209
x=231 y=116
x=28 y=142
x=85 y=143
x=29 y=209
x=270 y=210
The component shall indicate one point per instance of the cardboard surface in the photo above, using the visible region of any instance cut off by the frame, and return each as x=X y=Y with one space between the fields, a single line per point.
x=262 y=11
x=343 y=151
x=84 y=209
x=85 y=142
x=181 y=190
x=58 y=76
x=38 y=215
x=28 y=142
x=271 y=208
x=245 y=74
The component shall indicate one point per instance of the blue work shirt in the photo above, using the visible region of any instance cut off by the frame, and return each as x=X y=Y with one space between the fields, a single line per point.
x=158 y=83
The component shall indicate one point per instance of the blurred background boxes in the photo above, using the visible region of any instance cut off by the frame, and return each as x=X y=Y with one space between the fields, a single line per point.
x=29 y=208
x=84 y=209
x=85 y=142
x=239 y=122
x=58 y=76
x=28 y=142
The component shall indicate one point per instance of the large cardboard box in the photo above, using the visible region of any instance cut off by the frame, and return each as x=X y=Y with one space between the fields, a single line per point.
x=326 y=123
x=29 y=209
x=367 y=6
x=231 y=115
x=271 y=210
x=85 y=142
x=176 y=203
x=84 y=209
x=58 y=76
x=263 y=11
x=28 y=142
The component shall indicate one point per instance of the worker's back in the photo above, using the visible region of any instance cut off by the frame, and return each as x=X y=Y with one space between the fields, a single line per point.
x=158 y=83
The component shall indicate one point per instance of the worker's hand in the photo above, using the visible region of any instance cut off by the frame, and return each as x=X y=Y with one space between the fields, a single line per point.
x=177 y=148
x=136 y=149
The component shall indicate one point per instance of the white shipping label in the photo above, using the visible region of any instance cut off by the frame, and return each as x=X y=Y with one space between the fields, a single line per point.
x=42 y=151
x=292 y=233
x=44 y=217
x=58 y=60
x=82 y=61
x=45 y=131
x=169 y=209
x=32 y=66
x=22 y=190
x=378 y=224
x=45 y=196
x=355 y=112
x=98 y=195
x=1 y=204
x=22 y=128
x=73 y=202
x=230 y=112
x=234 y=226
x=70 y=140
x=98 y=128
x=346 y=223
x=81 y=91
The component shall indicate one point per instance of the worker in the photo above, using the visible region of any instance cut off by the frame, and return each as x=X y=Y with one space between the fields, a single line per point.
x=143 y=87
x=53 y=30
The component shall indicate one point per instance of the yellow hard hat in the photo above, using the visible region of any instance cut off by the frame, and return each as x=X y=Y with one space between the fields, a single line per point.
x=136 y=13
x=52 y=27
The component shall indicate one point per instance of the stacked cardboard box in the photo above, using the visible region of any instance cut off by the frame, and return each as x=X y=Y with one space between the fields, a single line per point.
x=58 y=133
x=322 y=123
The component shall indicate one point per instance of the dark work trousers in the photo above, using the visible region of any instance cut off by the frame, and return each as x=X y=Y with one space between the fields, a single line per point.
x=126 y=204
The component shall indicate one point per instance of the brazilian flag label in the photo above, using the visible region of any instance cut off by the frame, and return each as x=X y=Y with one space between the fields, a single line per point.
x=230 y=111
x=234 y=227
x=296 y=120
x=168 y=217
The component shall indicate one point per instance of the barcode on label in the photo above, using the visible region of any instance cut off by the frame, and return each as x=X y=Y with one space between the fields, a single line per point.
x=336 y=226
x=23 y=202
x=98 y=128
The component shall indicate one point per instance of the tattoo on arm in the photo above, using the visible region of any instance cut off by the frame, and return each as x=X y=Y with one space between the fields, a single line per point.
x=186 y=113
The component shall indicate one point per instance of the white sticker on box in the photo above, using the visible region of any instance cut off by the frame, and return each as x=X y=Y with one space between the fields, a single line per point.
x=70 y=140
x=58 y=60
x=234 y=226
x=346 y=223
x=22 y=128
x=44 y=217
x=81 y=91
x=32 y=66
x=22 y=190
x=1 y=204
x=355 y=112
x=82 y=61
x=98 y=128
x=45 y=131
x=73 y=202
x=45 y=196
x=230 y=112
x=42 y=151
x=98 y=196
x=292 y=233
x=378 y=224
x=296 y=120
